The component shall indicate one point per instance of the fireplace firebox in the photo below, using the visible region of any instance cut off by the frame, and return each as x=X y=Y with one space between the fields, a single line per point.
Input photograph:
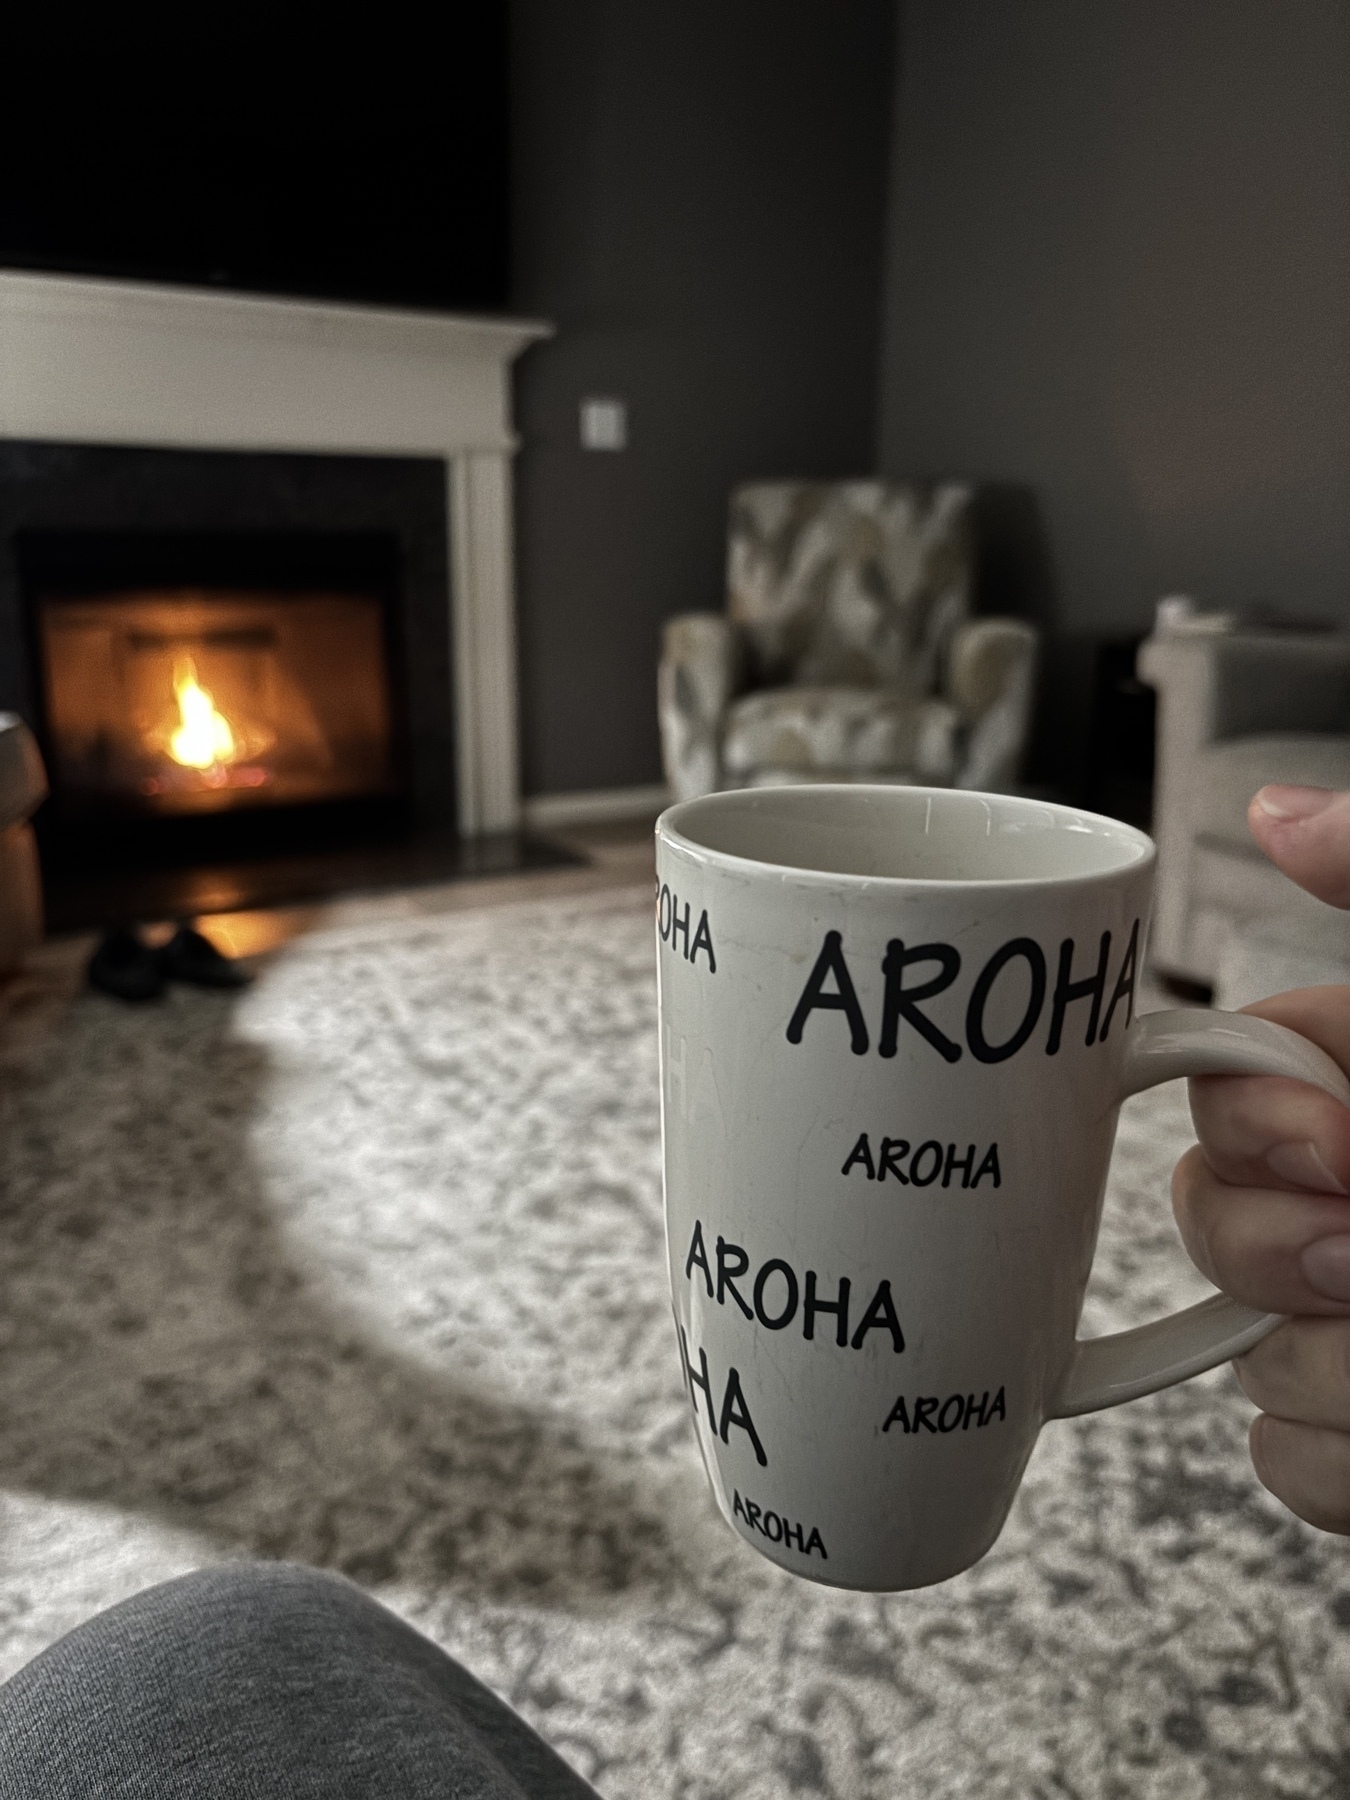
x=186 y=702
x=204 y=698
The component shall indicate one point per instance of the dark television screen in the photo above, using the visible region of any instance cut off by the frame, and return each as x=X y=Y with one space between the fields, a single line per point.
x=374 y=170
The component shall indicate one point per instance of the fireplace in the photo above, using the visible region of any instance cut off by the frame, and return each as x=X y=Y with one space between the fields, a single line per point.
x=343 y=716
x=122 y=367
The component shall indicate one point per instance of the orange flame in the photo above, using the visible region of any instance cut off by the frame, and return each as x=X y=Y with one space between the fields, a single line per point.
x=203 y=739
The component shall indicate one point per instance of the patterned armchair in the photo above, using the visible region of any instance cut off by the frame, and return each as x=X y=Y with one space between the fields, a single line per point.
x=845 y=653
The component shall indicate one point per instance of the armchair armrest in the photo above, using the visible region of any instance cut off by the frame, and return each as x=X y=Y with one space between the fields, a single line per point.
x=699 y=673
x=990 y=678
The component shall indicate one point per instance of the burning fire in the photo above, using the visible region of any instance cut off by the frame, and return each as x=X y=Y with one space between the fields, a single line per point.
x=203 y=739
x=203 y=746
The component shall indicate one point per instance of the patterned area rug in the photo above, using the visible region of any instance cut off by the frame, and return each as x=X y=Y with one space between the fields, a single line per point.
x=365 y=1270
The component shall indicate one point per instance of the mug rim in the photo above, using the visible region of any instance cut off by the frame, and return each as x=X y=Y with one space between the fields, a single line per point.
x=669 y=829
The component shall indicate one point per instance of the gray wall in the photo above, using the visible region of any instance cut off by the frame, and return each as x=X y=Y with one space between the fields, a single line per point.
x=699 y=196
x=1118 y=272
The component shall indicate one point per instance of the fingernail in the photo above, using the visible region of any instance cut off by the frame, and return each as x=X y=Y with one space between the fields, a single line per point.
x=1288 y=803
x=1326 y=1267
x=1302 y=1164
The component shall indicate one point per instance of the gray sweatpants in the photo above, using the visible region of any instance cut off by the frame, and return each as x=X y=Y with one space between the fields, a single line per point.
x=262 y=1680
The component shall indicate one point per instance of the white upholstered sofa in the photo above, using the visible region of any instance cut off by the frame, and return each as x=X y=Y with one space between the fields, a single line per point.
x=1238 y=707
x=846 y=652
x=23 y=786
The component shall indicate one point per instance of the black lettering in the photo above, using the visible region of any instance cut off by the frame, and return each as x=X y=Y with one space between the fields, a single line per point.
x=922 y=1408
x=752 y=1513
x=932 y=1175
x=1067 y=991
x=893 y=1152
x=989 y=1167
x=844 y=999
x=955 y=1162
x=663 y=912
x=703 y=941
x=816 y=1542
x=880 y=1314
x=861 y=1153
x=725 y=1274
x=898 y=1416
x=952 y=1400
x=1034 y=957
x=776 y=1265
x=678 y=924
x=969 y=1412
x=838 y=1307
x=788 y=1529
x=901 y=1002
x=776 y=1535
x=1124 y=988
x=698 y=1254
x=697 y=1380
x=738 y=1510
x=736 y=1412
x=998 y=1410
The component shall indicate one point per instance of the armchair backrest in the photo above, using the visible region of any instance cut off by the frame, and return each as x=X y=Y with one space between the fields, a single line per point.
x=852 y=582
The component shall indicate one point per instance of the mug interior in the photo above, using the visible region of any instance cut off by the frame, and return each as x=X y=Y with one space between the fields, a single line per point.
x=906 y=834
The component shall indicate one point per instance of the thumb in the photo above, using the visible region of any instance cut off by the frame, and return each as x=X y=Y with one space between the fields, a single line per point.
x=1305 y=831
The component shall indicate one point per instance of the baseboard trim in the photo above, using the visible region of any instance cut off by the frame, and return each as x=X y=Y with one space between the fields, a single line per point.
x=598 y=806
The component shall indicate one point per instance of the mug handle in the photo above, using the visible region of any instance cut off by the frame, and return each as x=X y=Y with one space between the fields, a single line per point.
x=1106 y=1371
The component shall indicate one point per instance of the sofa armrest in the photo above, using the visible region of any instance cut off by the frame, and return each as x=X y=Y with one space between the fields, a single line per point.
x=1214 y=683
x=23 y=787
x=990 y=678
x=1234 y=683
x=23 y=780
x=699 y=673
x=20 y=896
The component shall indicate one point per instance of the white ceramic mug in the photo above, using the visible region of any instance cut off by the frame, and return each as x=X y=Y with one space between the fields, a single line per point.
x=897 y=1025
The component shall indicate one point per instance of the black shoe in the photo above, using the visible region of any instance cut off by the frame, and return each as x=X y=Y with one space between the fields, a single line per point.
x=125 y=967
x=188 y=956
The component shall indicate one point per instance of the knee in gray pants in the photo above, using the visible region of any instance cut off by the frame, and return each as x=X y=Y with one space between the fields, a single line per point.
x=262 y=1679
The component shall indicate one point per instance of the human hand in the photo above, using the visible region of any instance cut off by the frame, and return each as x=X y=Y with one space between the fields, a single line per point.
x=1263 y=1200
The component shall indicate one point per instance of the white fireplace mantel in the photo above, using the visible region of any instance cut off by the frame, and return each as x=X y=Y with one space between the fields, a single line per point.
x=102 y=362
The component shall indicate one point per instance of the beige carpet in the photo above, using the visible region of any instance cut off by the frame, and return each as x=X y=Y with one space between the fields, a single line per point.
x=365 y=1269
